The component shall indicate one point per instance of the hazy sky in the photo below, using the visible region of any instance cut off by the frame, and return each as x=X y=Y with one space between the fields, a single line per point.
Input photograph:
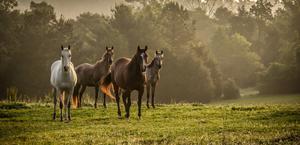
x=72 y=8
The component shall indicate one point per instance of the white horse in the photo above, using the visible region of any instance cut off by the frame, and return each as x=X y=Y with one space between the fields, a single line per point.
x=63 y=79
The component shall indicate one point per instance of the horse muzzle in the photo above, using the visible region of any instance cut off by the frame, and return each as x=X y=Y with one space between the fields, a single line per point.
x=144 y=69
x=110 y=61
x=66 y=68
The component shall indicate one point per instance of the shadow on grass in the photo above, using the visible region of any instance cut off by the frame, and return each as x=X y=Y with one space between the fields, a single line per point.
x=290 y=138
x=14 y=106
x=247 y=108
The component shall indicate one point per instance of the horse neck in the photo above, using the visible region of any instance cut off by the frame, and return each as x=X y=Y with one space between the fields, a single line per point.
x=64 y=73
x=100 y=66
x=153 y=67
x=133 y=66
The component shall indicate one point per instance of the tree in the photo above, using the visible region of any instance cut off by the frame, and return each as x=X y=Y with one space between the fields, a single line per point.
x=174 y=18
x=9 y=43
x=223 y=15
x=262 y=11
x=91 y=33
x=236 y=59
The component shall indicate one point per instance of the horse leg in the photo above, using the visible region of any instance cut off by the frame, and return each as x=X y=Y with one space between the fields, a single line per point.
x=116 y=89
x=153 y=93
x=80 y=94
x=69 y=105
x=66 y=101
x=127 y=94
x=55 y=100
x=148 y=94
x=141 y=92
x=96 y=95
x=124 y=100
x=104 y=100
x=61 y=104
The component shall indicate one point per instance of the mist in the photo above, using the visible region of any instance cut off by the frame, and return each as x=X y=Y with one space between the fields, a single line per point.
x=213 y=49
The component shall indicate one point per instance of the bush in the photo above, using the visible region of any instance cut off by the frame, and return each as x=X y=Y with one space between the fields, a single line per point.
x=230 y=89
x=278 y=79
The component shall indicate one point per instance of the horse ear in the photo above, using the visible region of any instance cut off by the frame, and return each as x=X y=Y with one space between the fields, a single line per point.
x=162 y=52
x=69 y=47
x=146 y=47
x=106 y=48
x=156 y=52
x=62 y=47
x=138 y=48
x=112 y=47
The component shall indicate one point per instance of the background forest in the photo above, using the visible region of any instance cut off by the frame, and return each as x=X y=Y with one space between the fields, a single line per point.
x=212 y=48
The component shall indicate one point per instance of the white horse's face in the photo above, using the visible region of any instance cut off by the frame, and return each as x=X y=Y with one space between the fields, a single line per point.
x=158 y=59
x=66 y=58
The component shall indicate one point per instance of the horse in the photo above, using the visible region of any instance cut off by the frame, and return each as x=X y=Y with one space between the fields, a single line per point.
x=127 y=74
x=152 y=73
x=63 y=79
x=91 y=76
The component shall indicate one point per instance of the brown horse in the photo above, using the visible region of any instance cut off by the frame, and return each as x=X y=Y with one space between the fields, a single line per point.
x=91 y=75
x=128 y=75
x=152 y=73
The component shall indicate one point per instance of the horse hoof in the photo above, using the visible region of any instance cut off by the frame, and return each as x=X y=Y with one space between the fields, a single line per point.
x=148 y=106
x=153 y=106
x=127 y=116
x=119 y=117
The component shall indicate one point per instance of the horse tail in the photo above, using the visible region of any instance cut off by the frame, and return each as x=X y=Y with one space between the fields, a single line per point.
x=75 y=96
x=106 y=85
x=74 y=102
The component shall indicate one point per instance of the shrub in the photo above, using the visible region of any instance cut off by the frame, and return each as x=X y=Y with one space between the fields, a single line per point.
x=279 y=78
x=230 y=89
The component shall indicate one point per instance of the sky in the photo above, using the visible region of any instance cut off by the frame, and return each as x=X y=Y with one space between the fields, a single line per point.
x=72 y=8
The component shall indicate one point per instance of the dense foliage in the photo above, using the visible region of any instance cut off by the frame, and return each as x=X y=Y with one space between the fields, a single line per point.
x=255 y=44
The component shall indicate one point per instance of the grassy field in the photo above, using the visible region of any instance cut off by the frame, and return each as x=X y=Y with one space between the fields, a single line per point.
x=217 y=123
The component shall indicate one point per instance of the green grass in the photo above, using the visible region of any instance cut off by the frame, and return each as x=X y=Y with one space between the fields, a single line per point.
x=167 y=124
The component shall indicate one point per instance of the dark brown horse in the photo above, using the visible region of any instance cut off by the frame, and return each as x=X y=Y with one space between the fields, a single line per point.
x=91 y=75
x=128 y=75
x=152 y=73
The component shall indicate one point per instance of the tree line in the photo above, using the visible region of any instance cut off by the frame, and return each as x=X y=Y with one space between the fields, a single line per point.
x=210 y=51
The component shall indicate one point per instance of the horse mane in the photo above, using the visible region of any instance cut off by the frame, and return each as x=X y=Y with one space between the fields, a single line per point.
x=152 y=63
x=100 y=60
x=133 y=64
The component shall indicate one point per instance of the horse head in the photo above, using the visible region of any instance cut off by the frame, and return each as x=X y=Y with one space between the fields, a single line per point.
x=142 y=58
x=108 y=55
x=66 y=57
x=158 y=58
